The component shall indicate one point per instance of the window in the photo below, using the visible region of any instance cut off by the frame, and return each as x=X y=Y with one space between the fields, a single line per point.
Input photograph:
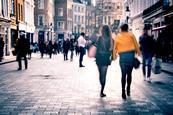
x=105 y=20
x=22 y=13
x=40 y=20
x=19 y=11
x=79 y=19
x=60 y=25
x=40 y=4
x=75 y=18
x=82 y=10
x=78 y=9
x=60 y=11
x=12 y=7
x=82 y=19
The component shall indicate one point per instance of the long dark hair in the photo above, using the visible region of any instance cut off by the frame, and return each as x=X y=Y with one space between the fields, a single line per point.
x=107 y=34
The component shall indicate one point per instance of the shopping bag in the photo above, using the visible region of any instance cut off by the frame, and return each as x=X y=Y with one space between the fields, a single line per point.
x=156 y=66
x=92 y=51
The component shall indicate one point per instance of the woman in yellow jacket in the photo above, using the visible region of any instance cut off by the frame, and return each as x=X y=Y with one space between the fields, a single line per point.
x=126 y=46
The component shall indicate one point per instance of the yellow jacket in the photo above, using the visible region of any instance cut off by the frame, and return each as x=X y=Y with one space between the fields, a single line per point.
x=125 y=41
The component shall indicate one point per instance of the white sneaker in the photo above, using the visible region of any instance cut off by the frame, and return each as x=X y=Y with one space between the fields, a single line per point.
x=145 y=79
x=149 y=79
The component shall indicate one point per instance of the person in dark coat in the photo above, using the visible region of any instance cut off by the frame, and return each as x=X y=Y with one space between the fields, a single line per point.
x=42 y=48
x=72 y=49
x=66 y=47
x=50 y=49
x=1 y=48
x=103 y=54
x=22 y=48
x=147 y=45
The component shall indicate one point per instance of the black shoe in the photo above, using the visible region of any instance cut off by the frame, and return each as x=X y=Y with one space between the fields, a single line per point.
x=19 y=69
x=128 y=92
x=81 y=66
x=102 y=95
x=123 y=95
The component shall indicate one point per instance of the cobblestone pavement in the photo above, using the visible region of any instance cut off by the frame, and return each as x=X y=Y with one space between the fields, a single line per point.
x=52 y=86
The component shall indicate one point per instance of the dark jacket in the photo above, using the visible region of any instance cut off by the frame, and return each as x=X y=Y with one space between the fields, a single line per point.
x=1 y=47
x=22 y=46
x=103 y=53
x=147 y=44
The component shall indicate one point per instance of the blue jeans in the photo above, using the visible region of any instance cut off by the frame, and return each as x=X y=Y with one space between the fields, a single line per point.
x=147 y=60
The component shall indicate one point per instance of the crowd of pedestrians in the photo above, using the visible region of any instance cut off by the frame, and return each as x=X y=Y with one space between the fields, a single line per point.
x=124 y=45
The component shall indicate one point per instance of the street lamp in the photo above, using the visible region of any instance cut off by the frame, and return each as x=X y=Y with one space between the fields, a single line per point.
x=127 y=14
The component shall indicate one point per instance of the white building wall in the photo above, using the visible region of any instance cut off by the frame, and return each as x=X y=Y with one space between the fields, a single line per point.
x=136 y=8
x=29 y=16
x=79 y=24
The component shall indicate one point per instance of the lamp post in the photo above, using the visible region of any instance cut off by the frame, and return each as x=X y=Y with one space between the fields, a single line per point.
x=127 y=14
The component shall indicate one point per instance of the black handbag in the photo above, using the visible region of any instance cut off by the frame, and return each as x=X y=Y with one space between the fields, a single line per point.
x=136 y=63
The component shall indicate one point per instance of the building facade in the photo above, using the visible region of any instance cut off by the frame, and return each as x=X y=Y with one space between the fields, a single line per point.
x=63 y=19
x=79 y=17
x=90 y=20
x=44 y=20
x=158 y=14
x=17 y=20
x=144 y=12
x=29 y=19
x=5 y=24
x=107 y=11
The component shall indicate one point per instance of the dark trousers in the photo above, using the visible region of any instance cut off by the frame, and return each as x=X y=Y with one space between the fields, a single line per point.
x=82 y=53
x=147 y=60
x=66 y=55
x=102 y=76
x=126 y=72
x=19 y=59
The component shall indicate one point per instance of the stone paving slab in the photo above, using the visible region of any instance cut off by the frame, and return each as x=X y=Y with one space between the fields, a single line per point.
x=55 y=87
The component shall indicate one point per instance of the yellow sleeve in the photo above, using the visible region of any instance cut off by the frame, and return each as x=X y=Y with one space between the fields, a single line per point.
x=114 y=55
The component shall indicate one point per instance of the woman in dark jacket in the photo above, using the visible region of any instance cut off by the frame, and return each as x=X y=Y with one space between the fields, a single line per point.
x=103 y=55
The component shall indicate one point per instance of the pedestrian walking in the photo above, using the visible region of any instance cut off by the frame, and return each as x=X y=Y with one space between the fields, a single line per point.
x=31 y=47
x=103 y=55
x=22 y=48
x=71 y=49
x=55 y=47
x=81 y=45
x=1 y=48
x=66 y=47
x=50 y=49
x=126 y=46
x=42 y=48
x=76 y=48
x=147 y=46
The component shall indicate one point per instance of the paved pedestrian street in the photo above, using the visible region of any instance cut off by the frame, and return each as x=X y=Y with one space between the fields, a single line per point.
x=53 y=86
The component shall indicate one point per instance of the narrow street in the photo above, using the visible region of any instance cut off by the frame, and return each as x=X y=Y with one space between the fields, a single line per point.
x=52 y=86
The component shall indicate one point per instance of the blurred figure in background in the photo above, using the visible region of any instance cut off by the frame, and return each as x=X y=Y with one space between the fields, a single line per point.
x=81 y=45
x=147 y=46
x=22 y=48
x=1 y=48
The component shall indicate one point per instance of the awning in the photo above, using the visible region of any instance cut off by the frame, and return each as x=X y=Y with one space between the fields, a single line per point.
x=159 y=28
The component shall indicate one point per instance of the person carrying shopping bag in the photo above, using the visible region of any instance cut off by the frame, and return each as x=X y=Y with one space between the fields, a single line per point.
x=103 y=53
x=126 y=46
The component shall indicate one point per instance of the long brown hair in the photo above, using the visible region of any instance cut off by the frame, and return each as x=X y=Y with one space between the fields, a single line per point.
x=107 y=34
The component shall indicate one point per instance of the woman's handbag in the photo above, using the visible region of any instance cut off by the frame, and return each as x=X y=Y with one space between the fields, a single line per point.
x=14 y=52
x=92 y=51
x=136 y=63
x=156 y=66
